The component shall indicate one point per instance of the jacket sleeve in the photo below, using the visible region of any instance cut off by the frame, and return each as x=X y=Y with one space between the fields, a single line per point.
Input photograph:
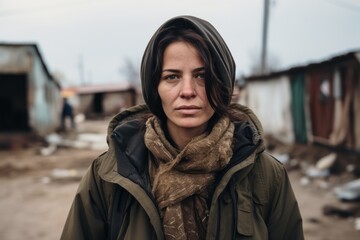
x=284 y=219
x=87 y=218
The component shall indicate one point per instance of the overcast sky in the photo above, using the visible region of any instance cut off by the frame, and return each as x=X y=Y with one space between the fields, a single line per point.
x=101 y=35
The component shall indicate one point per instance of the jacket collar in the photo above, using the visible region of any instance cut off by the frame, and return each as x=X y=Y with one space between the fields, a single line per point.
x=128 y=155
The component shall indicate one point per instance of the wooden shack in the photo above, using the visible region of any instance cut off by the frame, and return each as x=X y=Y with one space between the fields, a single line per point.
x=103 y=100
x=318 y=102
x=30 y=100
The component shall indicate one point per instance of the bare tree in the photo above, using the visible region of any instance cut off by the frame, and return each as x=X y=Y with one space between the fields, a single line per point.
x=273 y=63
x=131 y=71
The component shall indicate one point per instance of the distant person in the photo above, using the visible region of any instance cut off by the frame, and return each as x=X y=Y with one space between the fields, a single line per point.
x=67 y=113
x=188 y=164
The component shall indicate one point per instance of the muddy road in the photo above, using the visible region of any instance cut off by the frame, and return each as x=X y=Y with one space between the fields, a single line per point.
x=36 y=192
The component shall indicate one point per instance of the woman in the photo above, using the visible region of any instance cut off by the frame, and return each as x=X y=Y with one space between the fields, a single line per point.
x=188 y=165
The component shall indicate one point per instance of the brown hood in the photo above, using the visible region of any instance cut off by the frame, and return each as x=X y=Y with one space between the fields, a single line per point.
x=221 y=54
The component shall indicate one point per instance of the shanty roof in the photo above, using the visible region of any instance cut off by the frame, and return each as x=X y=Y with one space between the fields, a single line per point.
x=89 y=89
x=37 y=50
x=331 y=60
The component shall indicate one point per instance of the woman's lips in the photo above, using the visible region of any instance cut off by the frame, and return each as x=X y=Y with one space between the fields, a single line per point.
x=185 y=109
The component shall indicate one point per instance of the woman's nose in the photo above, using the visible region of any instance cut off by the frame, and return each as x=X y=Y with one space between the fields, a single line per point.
x=188 y=88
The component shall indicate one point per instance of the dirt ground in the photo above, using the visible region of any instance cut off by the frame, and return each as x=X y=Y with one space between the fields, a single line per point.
x=36 y=192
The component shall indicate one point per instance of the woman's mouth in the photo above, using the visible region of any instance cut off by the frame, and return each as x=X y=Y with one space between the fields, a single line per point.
x=188 y=109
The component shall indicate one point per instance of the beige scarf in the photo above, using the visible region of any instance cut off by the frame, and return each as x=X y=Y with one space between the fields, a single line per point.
x=181 y=179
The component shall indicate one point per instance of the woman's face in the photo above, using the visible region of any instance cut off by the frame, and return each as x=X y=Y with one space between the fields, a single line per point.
x=182 y=89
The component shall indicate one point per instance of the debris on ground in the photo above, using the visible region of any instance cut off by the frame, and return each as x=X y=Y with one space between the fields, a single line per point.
x=326 y=162
x=349 y=191
x=322 y=167
x=343 y=211
x=357 y=224
x=333 y=172
x=59 y=174
x=94 y=141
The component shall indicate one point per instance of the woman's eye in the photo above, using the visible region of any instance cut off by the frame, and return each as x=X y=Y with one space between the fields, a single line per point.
x=200 y=75
x=171 y=77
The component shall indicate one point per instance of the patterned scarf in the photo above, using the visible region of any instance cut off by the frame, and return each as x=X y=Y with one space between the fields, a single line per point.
x=181 y=180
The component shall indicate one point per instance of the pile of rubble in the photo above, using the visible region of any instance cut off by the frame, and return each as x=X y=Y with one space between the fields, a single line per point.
x=323 y=168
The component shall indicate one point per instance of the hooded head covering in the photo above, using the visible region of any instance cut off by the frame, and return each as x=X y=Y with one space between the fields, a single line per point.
x=221 y=57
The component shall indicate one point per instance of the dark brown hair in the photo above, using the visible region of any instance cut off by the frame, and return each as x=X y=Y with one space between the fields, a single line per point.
x=216 y=91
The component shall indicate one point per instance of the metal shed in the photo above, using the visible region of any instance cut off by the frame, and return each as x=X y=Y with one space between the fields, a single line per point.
x=30 y=99
x=325 y=100
x=102 y=100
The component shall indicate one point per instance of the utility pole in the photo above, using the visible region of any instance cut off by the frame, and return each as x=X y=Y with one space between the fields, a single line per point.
x=264 y=37
x=81 y=70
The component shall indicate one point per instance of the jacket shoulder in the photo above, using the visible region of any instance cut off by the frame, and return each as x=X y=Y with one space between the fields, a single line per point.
x=266 y=175
x=276 y=198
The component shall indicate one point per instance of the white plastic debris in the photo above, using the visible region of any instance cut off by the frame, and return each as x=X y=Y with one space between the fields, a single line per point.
x=58 y=172
x=350 y=168
x=54 y=138
x=294 y=163
x=91 y=137
x=79 y=118
x=66 y=174
x=46 y=151
x=314 y=172
x=326 y=162
x=357 y=224
x=283 y=158
x=349 y=191
x=304 y=181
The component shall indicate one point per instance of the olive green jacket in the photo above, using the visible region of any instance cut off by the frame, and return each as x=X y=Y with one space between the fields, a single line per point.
x=253 y=198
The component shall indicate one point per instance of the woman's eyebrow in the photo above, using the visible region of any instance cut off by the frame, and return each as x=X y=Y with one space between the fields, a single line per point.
x=171 y=70
x=199 y=69
x=178 y=71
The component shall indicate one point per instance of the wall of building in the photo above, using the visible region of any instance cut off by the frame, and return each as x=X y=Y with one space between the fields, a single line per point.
x=43 y=95
x=270 y=100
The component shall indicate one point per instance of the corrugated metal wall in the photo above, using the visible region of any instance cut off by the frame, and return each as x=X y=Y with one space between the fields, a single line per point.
x=321 y=101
